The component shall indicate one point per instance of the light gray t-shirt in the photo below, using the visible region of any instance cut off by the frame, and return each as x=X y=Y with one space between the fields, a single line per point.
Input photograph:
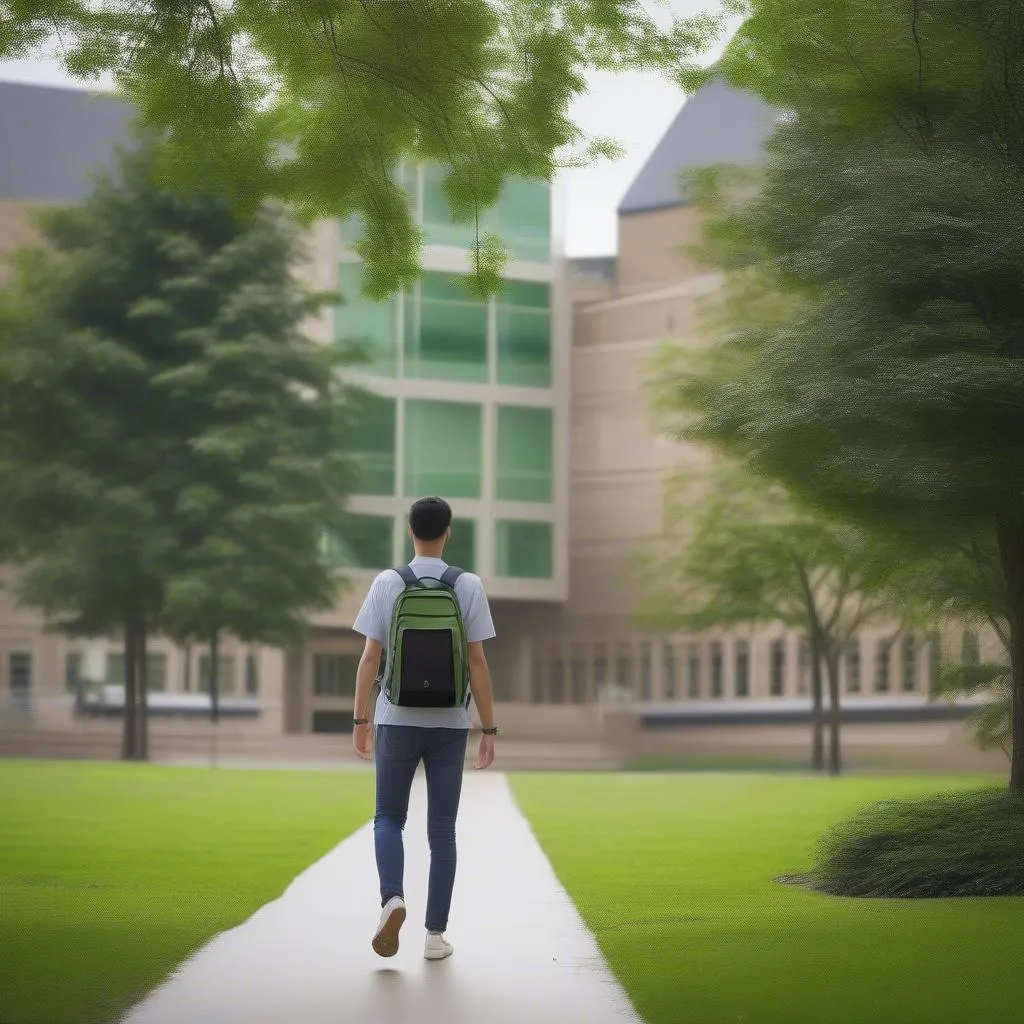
x=374 y=621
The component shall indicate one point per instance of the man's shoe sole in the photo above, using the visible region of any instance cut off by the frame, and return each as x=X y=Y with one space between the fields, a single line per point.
x=385 y=942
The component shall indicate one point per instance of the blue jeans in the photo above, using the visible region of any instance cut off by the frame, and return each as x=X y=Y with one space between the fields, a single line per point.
x=398 y=752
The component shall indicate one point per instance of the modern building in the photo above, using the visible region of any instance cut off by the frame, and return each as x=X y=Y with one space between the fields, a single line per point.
x=468 y=399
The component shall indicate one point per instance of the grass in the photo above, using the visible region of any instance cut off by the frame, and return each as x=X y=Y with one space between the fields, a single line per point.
x=675 y=876
x=112 y=874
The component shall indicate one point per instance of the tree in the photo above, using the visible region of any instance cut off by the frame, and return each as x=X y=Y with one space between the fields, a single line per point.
x=961 y=582
x=890 y=215
x=172 y=446
x=738 y=550
x=318 y=102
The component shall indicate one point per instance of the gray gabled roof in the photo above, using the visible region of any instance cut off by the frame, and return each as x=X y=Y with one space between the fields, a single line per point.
x=52 y=138
x=716 y=125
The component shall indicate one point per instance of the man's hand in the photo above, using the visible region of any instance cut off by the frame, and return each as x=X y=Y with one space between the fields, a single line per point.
x=362 y=741
x=485 y=755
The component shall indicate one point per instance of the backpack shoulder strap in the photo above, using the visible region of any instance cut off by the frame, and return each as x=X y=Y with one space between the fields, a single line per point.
x=409 y=578
x=450 y=575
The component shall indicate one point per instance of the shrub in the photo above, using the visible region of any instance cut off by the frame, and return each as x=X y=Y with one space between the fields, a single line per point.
x=957 y=844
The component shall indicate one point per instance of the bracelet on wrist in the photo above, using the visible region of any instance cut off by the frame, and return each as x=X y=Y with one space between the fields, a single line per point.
x=490 y=732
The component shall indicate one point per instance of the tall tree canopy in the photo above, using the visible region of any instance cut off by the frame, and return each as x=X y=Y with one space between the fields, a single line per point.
x=318 y=101
x=738 y=550
x=172 y=444
x=890 y=214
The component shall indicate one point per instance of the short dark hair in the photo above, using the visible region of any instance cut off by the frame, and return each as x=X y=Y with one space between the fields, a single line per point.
x=429 y=518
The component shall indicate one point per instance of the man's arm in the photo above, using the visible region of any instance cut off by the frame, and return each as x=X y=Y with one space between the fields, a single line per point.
x=480 y=684
x=366 y=675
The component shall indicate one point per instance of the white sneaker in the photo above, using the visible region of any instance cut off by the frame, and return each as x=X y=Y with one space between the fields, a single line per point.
x=437 y=947
x=385 y=941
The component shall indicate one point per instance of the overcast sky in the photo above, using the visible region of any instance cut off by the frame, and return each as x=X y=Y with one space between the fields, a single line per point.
x=634 y=109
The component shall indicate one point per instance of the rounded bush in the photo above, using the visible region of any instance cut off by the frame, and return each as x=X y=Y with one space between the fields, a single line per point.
x=956 y=844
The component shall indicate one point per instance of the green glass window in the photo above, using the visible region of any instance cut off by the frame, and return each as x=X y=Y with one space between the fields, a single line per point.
x=460 y=550
x=371 y=325
x=524 y=453
x=522 y=219
x=364 y=543
x=445 y=331
x=524 y=549
x=374 y=443
x=438 y=226
x=524 y=334
x=443 y=449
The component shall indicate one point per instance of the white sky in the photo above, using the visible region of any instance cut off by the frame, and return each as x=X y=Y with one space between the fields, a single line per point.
x=634 y=109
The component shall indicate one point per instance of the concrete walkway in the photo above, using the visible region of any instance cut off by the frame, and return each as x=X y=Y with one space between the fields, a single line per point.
x=522 y=953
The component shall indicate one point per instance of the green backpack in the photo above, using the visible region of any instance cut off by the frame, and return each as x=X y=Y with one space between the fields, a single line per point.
x=428 y=657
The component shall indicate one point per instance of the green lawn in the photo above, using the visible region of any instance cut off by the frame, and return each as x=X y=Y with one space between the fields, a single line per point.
x=674 y=876
x=111 y=874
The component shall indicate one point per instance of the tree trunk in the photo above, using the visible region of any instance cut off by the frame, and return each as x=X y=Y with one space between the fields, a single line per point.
x=142 y=694
x=818 y=710
x=835 y=754
x=1010 y=534
x=129 y=736
x=214 y=694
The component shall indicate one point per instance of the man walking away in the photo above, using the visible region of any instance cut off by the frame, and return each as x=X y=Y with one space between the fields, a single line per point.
x=432 y=620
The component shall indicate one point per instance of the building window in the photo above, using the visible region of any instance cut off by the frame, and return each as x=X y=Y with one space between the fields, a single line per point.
x=556 y=679
x=252 y=675
x=624 y=667
x=717 y=684
x=19 y=668
x=600 y=666
x=537 y=680
x=524 y=334
x=522 y=218
x=645 y=670
x=777 y=658
x=524 y=463
x=334 y=675
x=908 y=664
x=853 y=667
x=443 y=449
x=72 y=671
x=668 y=670
x=445 y=331
x=578 y=675
x=373 y=443
x=970 y=650
x=693 y=672
x=803 y=679
x=19 y=673
x=226 y=681
x=366 y=543
x=882 y=658
x=439 y=227
x=742 y=668
x=156 y=671
x=371 y=324
x=524 y=549
x=460 y=550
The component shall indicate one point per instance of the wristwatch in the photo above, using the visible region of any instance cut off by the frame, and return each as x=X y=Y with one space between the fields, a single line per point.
x=360 y=721
x=490 y=732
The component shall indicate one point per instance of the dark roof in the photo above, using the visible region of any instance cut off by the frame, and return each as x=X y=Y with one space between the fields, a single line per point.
x=716 y=125
x=51 y=138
